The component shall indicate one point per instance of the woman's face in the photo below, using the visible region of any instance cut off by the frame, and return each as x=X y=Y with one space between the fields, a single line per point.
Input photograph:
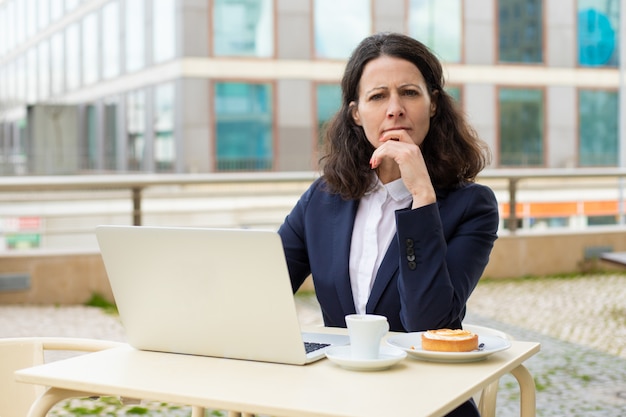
x=393 y=97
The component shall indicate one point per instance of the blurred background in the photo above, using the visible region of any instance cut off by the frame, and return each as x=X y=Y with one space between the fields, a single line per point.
x=210 y=113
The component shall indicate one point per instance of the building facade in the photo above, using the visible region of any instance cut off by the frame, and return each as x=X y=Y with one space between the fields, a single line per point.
x=182 y=86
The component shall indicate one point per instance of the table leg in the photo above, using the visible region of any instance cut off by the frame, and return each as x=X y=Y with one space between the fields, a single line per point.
x=527 y=391
x=50 y=397
x=197 y=411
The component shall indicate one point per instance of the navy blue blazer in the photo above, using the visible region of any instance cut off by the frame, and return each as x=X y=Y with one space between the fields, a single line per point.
x=429 y=271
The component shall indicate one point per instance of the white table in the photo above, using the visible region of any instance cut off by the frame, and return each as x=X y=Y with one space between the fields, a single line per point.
x=411 y=387
x=618 y=258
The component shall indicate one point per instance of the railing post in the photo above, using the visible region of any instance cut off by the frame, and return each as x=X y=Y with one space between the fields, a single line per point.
x=136 y=206
x=512 y=221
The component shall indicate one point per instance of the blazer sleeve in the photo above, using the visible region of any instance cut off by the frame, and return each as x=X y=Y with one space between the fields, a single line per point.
x=443 y=252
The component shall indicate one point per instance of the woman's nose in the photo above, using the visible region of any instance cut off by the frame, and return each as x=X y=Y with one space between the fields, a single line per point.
x=395 y=109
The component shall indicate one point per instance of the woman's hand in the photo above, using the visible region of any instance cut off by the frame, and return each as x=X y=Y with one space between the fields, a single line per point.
x=398 y=152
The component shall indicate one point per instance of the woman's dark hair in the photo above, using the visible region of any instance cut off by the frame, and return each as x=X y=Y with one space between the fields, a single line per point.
x=452 y=150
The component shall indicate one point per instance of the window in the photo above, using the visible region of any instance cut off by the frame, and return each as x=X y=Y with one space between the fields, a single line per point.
x=57 y=63
x=136 y=129
x=43 y=15
x=91 y=62
x=244 y=137
x=438 y=25
x=135 y=37
x=454 y=92
x=43 y=62
x=91 y=138
x=328 y=102
x=521 y=127
x=164 y=30
x=339 y=26
x=31 y=19
x=31 y=76
x=598 y=32
x=164 y=145
x=111 y=40
x=243 y=28
x=520 y=31
x=598 y=128
x=72 y=56
x=111 y=107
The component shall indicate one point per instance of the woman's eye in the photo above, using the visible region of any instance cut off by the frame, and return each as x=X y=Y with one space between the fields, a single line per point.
x=411 y=93
x=376 y=97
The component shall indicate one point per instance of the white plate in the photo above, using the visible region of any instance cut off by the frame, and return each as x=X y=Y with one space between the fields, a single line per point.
x=412 y=344
x=341 y=355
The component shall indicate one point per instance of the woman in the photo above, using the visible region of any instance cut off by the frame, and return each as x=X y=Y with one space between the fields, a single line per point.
x=396 y=225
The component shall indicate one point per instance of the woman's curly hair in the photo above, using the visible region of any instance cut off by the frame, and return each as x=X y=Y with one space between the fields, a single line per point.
x=452 y=150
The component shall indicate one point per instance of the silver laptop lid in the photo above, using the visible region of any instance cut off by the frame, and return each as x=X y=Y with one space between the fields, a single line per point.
x=213 y=292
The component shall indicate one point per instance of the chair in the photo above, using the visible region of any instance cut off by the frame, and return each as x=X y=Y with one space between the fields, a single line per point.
x=486 y=399
x=24 y=352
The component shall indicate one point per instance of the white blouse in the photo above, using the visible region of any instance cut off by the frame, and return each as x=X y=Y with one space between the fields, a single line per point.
x=374 y=227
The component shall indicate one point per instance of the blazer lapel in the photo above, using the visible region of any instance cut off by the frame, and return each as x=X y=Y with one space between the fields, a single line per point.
x=342 y=238
x=388 y=268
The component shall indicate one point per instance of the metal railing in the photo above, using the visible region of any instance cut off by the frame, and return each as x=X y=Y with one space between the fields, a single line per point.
x=75 y=204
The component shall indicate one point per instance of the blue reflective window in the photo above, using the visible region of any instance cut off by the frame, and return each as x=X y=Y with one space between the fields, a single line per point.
x=598 y=121
x=136 y=130
x=164 y=141
x=244 y=132
x=598 y=33
x=520 y=26
x=339 y=26
x=243 y=28
x=328 y=102
x=521 y=127
x=438 y=25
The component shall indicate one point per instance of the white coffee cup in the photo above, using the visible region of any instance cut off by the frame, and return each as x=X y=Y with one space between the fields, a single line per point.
x=366 y=332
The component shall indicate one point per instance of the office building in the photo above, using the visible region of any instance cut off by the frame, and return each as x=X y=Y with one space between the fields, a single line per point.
x=101 y=86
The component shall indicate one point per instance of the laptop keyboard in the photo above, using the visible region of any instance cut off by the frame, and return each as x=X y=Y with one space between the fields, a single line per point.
x=313 y=346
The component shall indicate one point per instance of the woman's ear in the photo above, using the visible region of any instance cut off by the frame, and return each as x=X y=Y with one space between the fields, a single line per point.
x=354 y=111
x=433 y=103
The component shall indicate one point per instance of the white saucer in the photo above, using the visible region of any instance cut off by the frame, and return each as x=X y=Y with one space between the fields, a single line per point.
x=341 y=355
x=412 y=344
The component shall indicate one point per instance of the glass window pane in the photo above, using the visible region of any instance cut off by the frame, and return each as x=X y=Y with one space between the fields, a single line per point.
x=243 y=28
x=244 y=136
x=340 y=25
x=43 y=62
x=520 y=28
x=164 y=30
x=328 y=102
x=111 y=40
x=598 y=121
x=57 y=63
x=135 y=37
x=521 y=127
x=31 y=76
x=91 y=138
x=72 y=51
x=56 y=9
x=31 y=20
x=43 y=14
x=110 y=133
x=598 y=33
x=90 y=49
x=438 y=25
x=136 y=129
x=164 y=145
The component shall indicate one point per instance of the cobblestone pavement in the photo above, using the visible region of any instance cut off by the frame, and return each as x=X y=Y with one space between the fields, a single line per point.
x=580 y=323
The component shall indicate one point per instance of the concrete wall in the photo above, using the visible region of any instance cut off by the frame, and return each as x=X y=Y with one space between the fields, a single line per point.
x=74 y=278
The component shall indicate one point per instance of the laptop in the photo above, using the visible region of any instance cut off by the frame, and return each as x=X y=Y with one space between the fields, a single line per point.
x=211 y=292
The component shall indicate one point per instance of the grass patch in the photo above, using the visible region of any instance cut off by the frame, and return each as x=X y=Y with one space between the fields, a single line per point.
x=99 y=301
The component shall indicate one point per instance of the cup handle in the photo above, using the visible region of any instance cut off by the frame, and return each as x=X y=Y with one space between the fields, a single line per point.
x=384 y=328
